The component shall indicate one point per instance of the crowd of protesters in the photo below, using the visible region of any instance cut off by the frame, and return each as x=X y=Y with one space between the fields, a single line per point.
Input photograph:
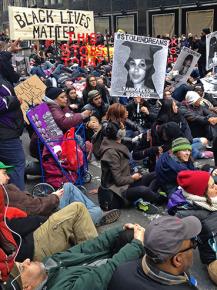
x=148 y=150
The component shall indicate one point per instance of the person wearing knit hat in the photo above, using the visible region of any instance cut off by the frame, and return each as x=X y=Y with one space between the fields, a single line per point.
x=172 y=162
x=53 y=93
x=65 y=118
x=193 y=98
x=197 y=195
x=181 y=144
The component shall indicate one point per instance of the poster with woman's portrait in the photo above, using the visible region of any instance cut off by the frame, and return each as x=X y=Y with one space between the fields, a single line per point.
x=185 y=64
x=139 y=66
x=211 y=50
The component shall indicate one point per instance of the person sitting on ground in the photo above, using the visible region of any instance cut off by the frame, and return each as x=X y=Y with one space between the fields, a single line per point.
x=90 y=264
x=56 y=100
x=172 y=162
x=117 y=183
x=139 y=112
x=96 y=105
x=41 y=238
x=168 y=243
x=200 y=119
x=45 y=206
x=154 y=142
x=74 y=103
x=91 y=84
x=197 y=196
x=170 y=112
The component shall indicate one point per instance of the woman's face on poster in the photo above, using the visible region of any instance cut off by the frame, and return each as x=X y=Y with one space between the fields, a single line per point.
x=137 y=70
x=186 y=66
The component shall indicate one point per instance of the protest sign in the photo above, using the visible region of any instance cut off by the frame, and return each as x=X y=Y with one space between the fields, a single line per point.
x=139 y=66
x=31 y=92
x=46 y=128
x=39 y=23
x=185 y=64
x=211 y=50
x=210 y=84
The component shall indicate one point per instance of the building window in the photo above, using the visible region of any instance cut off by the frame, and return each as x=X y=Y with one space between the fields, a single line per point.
x=5 y=5
x=163 y=24
x=101 y=24
x=197 y=20
x=60 y=2
x=53 y=2
x=46 y=2
x=125 y=23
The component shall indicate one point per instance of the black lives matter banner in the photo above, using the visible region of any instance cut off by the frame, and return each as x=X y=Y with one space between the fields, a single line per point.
x=139 y=66
x=38 y=23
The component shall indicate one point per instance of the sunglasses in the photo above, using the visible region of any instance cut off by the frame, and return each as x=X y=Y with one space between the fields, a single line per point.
x=194 y=244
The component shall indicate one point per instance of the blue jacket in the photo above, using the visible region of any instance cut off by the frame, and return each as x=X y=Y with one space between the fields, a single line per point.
x=167 y=169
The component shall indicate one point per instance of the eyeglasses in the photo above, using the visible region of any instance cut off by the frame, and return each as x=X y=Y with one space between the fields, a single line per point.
x=93 y=80
x=194 y=244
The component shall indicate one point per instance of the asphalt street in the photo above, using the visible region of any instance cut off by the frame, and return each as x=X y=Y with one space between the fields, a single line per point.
x=127 y=215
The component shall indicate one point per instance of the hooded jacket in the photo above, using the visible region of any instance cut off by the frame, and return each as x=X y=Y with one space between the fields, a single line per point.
x=115 y=166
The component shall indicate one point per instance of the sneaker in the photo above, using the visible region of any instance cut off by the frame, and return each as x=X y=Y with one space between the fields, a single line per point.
x=146 y=207
x=207 y=154
x=110 y=217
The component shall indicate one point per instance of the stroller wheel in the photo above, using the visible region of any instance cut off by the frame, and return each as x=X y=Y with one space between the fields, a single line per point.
x=42 y=189
x=87 y=177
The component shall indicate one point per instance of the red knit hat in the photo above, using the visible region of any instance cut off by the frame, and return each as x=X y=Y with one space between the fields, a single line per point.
x=194 y=182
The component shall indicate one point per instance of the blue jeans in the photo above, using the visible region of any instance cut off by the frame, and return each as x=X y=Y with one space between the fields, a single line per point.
x=11 y=153
x=197 y=148
x=72 y=193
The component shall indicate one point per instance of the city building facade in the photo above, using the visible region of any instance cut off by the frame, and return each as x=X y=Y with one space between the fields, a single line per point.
x=144 y=17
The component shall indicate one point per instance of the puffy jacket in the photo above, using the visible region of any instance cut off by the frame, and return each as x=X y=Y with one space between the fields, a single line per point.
x=11 y=117
x=64 y=117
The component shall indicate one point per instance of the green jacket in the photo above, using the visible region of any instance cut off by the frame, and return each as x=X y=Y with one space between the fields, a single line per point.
x=72 y=270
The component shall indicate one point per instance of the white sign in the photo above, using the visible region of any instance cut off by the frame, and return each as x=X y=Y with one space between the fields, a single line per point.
x=185 y=64
x=38 y=23
x=210 y=84
x=139 y=66
x=211 y=50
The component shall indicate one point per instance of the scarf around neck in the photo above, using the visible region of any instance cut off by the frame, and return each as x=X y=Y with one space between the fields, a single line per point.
x=201 y=201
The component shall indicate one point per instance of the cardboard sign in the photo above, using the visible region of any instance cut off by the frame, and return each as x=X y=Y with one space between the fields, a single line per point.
x=185 y=64
x=211 y=50
x=31 y=91
x=39 y=23
x=139 y=66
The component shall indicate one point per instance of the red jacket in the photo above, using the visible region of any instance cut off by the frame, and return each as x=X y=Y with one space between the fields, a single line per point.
x=8 y=246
